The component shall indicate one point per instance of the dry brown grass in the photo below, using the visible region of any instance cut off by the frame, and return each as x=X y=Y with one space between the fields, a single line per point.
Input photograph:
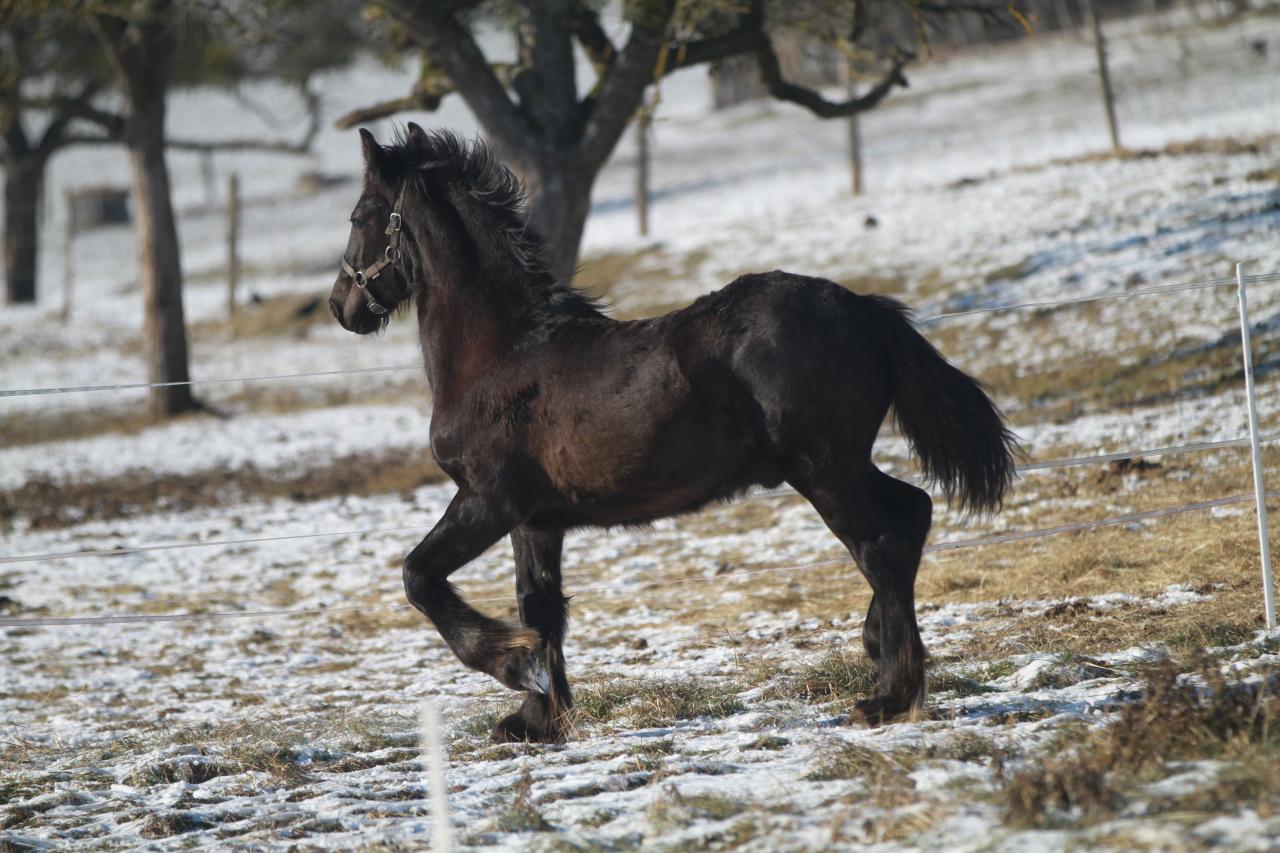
x=46 y=505
x=674 y=809
x=1221 y=145
x=837 y=678
x=876 y=767
x=286 y=315
x=887 y=802
x=1175 y=721
x=649 y=703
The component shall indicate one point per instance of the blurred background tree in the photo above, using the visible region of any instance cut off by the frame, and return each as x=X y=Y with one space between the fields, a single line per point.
x=558 y=134
x=50 y=76
x=99 y=72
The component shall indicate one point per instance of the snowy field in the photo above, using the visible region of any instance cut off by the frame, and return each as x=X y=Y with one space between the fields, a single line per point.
x=716 y=657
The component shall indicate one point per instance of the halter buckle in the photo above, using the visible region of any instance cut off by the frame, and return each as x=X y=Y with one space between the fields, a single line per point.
x=395 y=222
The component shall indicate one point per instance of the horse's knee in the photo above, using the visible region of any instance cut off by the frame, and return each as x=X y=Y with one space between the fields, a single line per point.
x=418 y=584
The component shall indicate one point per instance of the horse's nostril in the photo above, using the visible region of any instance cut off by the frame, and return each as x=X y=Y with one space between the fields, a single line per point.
x=335 y=308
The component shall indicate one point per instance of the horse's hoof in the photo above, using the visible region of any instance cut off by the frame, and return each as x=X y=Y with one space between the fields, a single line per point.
x=516 y=729
x=881 y=710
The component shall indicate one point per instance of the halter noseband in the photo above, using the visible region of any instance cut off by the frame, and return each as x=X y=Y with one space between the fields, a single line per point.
x=395 y=227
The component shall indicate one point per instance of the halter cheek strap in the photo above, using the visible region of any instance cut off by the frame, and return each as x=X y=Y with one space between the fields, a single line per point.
x=395 y=227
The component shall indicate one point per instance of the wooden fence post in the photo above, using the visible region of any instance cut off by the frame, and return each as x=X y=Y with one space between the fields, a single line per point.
x=68 y=252
x=1104 y=75
x=233 y=239
x=855 y=134
x=642 y=170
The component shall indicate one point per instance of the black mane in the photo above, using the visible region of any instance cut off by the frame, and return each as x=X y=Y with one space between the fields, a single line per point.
x=499 y=192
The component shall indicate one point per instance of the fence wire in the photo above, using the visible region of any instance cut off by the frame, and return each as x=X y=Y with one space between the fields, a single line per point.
x=937 y=547
x=1048 y=303
x=137 y=386
x=992 y=539
x=1028 y=468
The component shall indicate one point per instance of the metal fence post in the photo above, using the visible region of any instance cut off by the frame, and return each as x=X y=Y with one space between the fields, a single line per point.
x=1259 y=491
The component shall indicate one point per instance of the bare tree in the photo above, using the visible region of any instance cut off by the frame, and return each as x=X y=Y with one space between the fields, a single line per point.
x=36 y=46
x=139 y=41
x=140 y=49
x=559 y=139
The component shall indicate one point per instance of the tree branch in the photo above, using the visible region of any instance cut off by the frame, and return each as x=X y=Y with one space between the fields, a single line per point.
x=547 y=84
x=454 y=51
x=746 y=38
x=87 y=139
x=996 y=9
x=110 y=30
x=78 y=107
x=54 y=133
x=302 y=146
x=814 y=102
x=426 y=96
x=15 y=139
x=621 y=91
x=584 y=24
x=415 y=100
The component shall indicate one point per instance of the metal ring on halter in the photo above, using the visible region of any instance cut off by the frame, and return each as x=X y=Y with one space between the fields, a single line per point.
x=391 y=256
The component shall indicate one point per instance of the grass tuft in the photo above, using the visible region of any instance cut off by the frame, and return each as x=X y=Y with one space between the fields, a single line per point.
x=522 y=813
x=655 y=702
x=838 y=677
x=1177 y=719
x=850 y=761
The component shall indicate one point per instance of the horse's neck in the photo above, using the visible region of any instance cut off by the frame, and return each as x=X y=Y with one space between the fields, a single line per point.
x=473 y=311
x=466 y=331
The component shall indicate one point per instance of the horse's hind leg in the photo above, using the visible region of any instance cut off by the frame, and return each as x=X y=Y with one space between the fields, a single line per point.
x=883 y=522
x=543 y=716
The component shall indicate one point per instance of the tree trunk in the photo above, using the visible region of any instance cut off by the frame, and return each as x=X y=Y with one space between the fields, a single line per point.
x=164 y=331
x=23 y=180
x=561 y=200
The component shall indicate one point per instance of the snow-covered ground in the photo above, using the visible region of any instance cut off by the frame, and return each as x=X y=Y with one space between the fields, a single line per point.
x=274 y=731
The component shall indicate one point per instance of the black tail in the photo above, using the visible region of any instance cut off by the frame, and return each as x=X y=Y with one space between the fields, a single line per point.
x=946 y=415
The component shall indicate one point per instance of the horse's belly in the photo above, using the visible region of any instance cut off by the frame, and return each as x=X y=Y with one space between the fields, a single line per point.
x=641 y=498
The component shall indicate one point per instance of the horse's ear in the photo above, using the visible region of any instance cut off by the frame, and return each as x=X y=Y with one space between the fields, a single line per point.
x=416 y=134
x=372 y=152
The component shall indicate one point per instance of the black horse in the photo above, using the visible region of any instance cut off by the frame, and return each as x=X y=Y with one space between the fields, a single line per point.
x=549 y=415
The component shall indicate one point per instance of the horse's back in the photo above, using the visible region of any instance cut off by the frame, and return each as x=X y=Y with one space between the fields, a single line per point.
x=800 y=348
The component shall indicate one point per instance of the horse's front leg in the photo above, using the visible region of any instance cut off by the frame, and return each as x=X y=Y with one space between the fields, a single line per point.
x=470 y=525
x=544 y=715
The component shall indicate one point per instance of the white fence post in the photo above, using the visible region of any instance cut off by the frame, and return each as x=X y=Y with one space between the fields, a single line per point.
x=1259 y=491
x=433 y=773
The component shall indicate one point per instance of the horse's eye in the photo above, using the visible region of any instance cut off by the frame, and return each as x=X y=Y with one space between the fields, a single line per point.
x=357 y=221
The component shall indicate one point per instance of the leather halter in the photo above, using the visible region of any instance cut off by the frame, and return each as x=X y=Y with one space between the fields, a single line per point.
x=392 y=255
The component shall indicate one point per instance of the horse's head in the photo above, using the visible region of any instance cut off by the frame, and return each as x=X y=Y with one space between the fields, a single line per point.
x=374 y=279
